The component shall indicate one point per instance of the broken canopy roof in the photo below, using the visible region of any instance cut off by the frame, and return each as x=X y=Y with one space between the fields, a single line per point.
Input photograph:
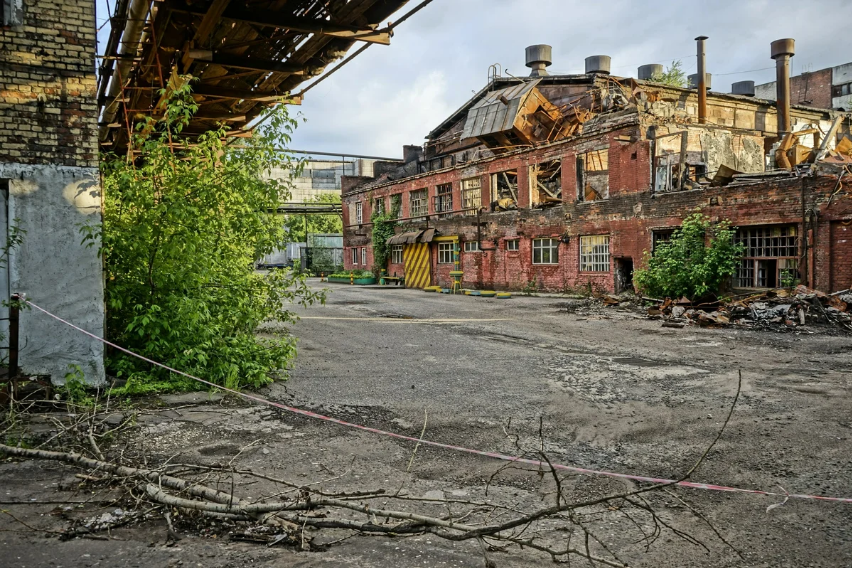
x=412 y=237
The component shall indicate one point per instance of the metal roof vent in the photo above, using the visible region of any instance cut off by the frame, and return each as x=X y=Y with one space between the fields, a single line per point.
x=598 y=64
x=647 y=72
x=745 y=88
x=693 y=80
x=538 y=57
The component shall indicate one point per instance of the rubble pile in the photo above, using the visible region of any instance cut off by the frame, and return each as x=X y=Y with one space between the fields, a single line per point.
x=772 y=309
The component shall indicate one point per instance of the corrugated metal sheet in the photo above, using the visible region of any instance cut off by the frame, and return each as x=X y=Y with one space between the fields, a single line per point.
x=491 y=115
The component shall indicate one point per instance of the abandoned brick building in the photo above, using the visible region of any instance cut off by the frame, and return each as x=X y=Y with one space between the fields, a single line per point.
x=563 y=182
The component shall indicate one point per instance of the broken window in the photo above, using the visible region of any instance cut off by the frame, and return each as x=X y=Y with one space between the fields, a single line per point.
x=546 y=182
x=471 y=195
x=504 y=190
x=771 y=257
x=545 y=251
x=417 y=204
x=512 y=245
x=379 y=206
x=396 y=205
x=444 y=198
x=396 y=254
x=445 y=253
x=594 y=253
x=593 y=175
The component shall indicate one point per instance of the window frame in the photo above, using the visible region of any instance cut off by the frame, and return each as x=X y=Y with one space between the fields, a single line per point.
x=583 y=173
x=396 y=254
x=379 y=206
x=359 y=212
x=424 y=202
x=758 y=240
x=590 y=259
x=443 y=199
x=539 y=247
x=363 y=256
x=471 y=195
x=354 y=256
x=398 y=205
x=445 y=249
x=515 y=242
x=472 y=246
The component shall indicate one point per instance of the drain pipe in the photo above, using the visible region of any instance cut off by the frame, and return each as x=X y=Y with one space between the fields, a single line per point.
x=479 y=231
x=702 y=81
x=782 y=50
x=128 y=43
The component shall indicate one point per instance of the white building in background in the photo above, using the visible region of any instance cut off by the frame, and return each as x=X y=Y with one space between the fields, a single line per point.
x=322 y=177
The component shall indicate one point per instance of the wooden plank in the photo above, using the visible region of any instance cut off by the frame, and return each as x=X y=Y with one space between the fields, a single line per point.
x=243 y=94
x=240 y=62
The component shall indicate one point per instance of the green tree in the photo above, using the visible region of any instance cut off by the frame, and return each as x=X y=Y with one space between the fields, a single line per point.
x=696 y=263
x=183 y=225
x=295 y=224
x=673 y=76
x=384 y=227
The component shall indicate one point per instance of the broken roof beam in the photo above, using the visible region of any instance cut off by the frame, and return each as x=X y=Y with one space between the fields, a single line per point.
x=244 y=94
x=248 y=63
x=266 y=18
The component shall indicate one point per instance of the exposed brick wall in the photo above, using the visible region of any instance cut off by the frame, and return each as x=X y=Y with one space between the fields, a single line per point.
x=812 y=89
x=48 y=113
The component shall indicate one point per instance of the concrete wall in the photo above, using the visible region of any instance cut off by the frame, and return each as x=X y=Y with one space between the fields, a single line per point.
x=841 y=75
x=54 y=269
x=321 y=177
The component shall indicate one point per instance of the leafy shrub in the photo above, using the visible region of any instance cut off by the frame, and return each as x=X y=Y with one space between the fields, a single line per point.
x=355 y=273
x=696 y=263
x=182 y=228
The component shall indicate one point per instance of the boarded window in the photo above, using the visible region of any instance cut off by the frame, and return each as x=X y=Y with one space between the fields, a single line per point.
x=546 y=182
x=545 y=251
x=504 y=190
x=593 y=175
x=417 y=205
x=771 y=257
x=471 y=195
x=445 y=253
x=444 y=198
x=594 y=253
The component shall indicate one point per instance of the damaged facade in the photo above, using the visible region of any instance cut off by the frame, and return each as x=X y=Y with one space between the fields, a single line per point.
x=49 y=182
x=563 y=182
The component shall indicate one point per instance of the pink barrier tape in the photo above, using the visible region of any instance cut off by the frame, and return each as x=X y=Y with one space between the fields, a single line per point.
x=495 y=455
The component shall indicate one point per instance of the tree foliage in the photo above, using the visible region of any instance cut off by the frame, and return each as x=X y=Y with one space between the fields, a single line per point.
x=296 y=224
x=182 y=228
x=696 y=263
x=673 y=76
x=384 y=227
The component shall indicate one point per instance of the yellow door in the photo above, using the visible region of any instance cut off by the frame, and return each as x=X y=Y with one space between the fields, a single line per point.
x=417 y=269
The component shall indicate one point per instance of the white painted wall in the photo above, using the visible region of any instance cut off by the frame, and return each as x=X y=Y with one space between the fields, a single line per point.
x=55 y=270
x=323 y=176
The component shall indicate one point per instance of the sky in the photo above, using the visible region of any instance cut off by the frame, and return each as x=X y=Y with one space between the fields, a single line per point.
x=394 y=95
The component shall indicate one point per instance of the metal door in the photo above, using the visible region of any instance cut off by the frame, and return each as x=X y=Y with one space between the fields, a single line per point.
x=417 y=265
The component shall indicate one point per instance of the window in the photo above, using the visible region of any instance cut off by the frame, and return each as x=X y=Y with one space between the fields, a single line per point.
x=379 y=206
x=841 y=90
x=471 y=195
x=396 y=254
x=546 y=183
x=355 y=256
x=359 y=212
x=593 y=175
x=771 y=257
x=471 y=246
x=396 y=205
x=512 y=245
x=594 y=253
x=660 y=236
x=545 y=251
x=445 y=253
x=504 y=190
x=417 y=206
x=11 y=12
x=444 y=198
x=363 y=256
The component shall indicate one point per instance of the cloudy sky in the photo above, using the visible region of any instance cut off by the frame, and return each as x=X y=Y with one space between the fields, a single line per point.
x=394 y=95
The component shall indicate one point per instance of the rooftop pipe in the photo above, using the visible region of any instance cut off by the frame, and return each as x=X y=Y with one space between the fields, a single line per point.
x=702 y=81
x=782 y=51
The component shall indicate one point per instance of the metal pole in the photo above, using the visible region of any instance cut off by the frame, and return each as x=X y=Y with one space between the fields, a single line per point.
x=14 y=316
x=702 y=81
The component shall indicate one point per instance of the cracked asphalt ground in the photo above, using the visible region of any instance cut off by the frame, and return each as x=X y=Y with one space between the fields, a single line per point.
x=610 y=389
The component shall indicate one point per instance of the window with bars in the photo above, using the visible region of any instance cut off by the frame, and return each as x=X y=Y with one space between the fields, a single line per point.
x=359 y=212
x=471 y=246
x=593 y=175
x=594 y=253
x=396 y=205
x=471 y=195
x=445 y=253
x=770 y=258
x=513 y=245
x=545 y=251
x=396 y=254
x=417 y=204
x=444 y=198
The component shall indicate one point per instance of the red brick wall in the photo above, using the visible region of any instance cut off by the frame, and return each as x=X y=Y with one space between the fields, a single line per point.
x=814 y=87
x=840 y=245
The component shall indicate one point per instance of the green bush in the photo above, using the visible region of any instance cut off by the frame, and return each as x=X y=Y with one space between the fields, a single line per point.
x=182 y=228
x=355 y=273
x=696 y=263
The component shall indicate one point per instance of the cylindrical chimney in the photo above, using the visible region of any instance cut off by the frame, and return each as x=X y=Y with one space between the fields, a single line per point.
x=598 y=64
x=647 y=72
x=702 y=81
x=745 y=88
x=537 y=58
x=692 y=81
x=782 y=51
